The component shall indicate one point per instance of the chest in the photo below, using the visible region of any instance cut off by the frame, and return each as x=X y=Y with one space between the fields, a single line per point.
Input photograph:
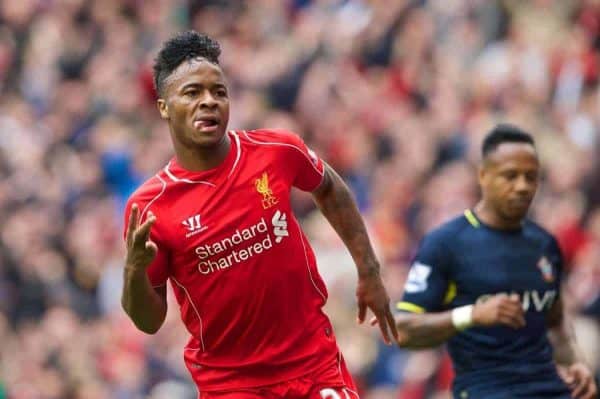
x=238 y=209
x=511 y=265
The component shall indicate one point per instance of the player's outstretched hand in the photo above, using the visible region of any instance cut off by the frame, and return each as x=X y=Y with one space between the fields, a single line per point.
x=371 y=294
x=500 y=309
x=140 y=249
x=580 y=380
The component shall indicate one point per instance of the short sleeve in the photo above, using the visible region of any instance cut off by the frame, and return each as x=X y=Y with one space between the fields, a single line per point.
x=308 y=168
x=427 y=280
x=158 y=269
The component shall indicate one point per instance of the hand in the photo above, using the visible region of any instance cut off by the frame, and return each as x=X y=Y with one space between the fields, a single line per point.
x=580 y=380
x=499 y=309
x=140 y=249
x=372 y=294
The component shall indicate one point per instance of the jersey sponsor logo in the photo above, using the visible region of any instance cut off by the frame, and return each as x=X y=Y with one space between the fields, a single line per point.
x=242 y=245
x=541 y=301
x=193 y=225
x=417 y=278
x=279 y=222
x=546 y=268
x=262 y=187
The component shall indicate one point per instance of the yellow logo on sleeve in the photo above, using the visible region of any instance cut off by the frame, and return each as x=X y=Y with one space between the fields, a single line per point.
x=262 y=187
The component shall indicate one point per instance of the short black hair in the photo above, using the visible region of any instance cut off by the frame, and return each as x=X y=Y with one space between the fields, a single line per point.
x=504 y=133
x=184 y=46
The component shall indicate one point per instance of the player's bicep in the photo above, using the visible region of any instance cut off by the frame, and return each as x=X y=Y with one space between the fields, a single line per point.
x=424 y=289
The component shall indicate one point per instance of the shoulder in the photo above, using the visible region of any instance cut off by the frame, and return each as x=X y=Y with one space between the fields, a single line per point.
x=440 y=243
x=271 y=137
x=449 y=231
x=539 y=233
x=148 y=192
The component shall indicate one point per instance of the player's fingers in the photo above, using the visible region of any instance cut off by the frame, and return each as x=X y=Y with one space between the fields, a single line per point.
x=580 y=389
x=373 y=321
x=392 y=323
x=151 y=246
x=592 y=391
x=568 y=378
x=514 y=297
x=383 y=326
x=515 y=311
x=142 y=234
x=362 y=311
x=132 y=222
x=508 y=320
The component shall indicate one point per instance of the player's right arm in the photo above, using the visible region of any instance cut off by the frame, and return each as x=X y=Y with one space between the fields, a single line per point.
x=425 y=322
x=145 y=304
x=430 y=329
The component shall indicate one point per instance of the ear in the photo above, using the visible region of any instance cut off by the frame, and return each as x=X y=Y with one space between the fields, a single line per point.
x=481 y=173
x=163 y=108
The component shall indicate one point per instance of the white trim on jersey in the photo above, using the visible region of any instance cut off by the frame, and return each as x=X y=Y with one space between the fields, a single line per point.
x=195 y=309
x=237 y=158
x=164 y=187
x=287 y=145
x=239 y=152
x=176 y=179
x=306 y=259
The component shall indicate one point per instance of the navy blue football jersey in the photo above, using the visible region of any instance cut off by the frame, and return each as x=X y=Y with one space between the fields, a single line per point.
x=465 y=261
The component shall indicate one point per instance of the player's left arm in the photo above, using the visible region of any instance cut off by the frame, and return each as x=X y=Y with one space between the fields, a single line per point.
x=567 y=355
x=334 y=199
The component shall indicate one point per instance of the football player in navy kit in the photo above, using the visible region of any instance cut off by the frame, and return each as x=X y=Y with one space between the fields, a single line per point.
x=488 y=281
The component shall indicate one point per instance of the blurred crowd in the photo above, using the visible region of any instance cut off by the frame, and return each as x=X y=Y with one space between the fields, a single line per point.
x=396 y=95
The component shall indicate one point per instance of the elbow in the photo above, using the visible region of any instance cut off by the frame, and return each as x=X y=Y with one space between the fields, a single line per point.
x=148 y=328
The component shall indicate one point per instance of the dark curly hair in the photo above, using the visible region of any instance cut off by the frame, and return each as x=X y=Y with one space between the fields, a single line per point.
x=184 y=46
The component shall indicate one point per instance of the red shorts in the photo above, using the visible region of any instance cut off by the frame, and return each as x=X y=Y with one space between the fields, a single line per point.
x=333 y=381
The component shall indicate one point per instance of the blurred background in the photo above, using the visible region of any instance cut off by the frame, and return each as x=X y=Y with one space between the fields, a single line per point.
x=394 y=94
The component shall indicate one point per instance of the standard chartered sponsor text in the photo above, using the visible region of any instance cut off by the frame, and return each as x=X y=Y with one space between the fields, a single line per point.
x=234 y=249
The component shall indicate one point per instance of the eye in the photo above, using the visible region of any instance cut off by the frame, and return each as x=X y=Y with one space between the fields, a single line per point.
x=221 y=93
x=510 y=175
x=191 y=93
x=532 y=177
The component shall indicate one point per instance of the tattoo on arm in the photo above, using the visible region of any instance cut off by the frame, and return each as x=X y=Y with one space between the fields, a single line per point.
x=334 y=199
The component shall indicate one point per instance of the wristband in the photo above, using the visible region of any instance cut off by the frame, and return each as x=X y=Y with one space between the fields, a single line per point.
x=462 y=317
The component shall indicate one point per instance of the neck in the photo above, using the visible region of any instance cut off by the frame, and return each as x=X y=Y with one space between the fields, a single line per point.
x=489 y=216
x=198 y=159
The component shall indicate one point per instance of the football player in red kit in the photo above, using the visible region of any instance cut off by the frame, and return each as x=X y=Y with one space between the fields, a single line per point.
x=217 y=223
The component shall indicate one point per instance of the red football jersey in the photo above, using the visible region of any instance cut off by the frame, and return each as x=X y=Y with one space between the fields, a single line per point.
x=242 y=270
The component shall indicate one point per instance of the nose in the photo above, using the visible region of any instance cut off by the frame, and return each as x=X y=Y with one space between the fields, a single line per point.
x=523 y=185
x=208 y=100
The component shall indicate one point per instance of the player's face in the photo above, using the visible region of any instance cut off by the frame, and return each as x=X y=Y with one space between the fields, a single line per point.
x=196 y=104
x=509 y=179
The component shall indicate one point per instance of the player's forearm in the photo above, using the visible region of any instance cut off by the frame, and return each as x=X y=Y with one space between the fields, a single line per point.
x=420 y=331
x=337 y=205
x=562 y=338
x=146 y=308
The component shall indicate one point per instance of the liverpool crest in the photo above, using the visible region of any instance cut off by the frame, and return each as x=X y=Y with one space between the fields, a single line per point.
x=262 y=187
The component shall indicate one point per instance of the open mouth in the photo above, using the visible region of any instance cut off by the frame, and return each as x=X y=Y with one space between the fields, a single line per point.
x=206 y=123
